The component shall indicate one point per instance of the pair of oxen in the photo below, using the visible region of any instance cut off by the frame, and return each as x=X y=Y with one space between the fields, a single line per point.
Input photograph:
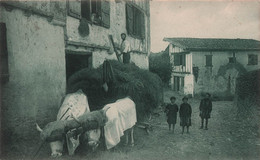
x=76 y=123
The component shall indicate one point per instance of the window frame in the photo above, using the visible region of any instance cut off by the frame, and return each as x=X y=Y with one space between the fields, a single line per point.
x=181 y=59
x=211 y=60
x=255 y=59
x=134 y=32
x=85 y=11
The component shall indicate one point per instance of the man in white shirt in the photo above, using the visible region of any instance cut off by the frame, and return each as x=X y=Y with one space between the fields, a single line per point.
x=125 y=49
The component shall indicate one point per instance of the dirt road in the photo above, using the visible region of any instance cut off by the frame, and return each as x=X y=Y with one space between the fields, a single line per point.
x=226 y=138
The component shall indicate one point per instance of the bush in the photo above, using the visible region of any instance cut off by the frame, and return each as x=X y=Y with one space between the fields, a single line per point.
x=144 y=87
x=159 y=64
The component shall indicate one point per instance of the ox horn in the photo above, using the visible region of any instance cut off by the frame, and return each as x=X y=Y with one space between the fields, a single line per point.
x=38 y=127
x=105 y=110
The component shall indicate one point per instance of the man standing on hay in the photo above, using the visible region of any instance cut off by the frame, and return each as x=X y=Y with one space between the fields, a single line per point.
x=125 y=49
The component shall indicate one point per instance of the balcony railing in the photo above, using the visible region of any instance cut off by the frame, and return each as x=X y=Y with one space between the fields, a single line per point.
x=181 y=69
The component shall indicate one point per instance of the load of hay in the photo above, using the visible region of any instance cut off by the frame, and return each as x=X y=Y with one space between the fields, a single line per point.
x=144 y=87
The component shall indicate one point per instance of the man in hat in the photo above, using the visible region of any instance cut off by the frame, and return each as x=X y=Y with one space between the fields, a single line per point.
x=185 y=114
x=205 y=110
x=125 y=49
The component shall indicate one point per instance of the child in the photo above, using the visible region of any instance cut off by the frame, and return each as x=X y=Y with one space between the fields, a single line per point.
x=171 y=112
x=205 y=110
x=185 y=114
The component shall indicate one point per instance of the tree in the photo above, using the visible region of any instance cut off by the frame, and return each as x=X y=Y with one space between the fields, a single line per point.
x=159 y=63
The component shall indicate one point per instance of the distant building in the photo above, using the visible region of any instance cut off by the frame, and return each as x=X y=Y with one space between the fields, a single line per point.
x=44 y=42
x=210 y=65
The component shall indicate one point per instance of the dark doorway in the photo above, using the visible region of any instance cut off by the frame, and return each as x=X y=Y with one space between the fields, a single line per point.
x=76 y=62
x=176 y=83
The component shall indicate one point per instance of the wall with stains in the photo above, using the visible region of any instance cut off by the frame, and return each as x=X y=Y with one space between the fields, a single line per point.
x=36 y=60
x=220 y=79
x=98 y=35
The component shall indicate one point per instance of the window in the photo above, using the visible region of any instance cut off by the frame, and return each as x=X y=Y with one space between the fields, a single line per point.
x=252 y=59
x=208 y=60
x=232 y=60
x=95 y=11
x=4 y=74
x=135 y=21
x=179 y=59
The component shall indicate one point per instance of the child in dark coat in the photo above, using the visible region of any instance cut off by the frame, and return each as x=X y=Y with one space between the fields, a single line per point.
x=171 y=112
x=185 y=114
x=205 y=110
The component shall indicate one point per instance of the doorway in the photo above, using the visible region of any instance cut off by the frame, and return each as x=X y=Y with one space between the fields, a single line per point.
x=76 y=62
x=178 y=83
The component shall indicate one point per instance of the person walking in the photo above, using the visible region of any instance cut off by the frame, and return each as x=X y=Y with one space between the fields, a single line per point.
x=171 y=113
x=185 y=114
x=205 y=110
x=125 y=49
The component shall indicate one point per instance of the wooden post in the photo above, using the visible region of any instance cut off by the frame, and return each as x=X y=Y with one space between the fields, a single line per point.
x=110 y=37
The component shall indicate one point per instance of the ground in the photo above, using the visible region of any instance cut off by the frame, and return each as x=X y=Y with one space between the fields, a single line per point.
x=227 y=138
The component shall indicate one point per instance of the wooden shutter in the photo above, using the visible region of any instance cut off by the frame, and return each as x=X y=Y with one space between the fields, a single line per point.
x=182 y=82
x=176 y=60
x=208 y=60
x=85 y=9
x=105 y=13
x=142 y=18
x=129 y=19
x=74 y=8
x=4 y=75
x=137 y=22
x=183 y=59
x=256 y=60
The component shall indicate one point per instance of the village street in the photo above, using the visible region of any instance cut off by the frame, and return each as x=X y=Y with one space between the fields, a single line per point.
x=223 y=140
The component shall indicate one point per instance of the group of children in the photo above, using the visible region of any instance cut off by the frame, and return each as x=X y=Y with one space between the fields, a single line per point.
x=185 y=112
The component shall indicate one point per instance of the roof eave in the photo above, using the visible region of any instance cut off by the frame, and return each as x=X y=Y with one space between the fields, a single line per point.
x=207 y=49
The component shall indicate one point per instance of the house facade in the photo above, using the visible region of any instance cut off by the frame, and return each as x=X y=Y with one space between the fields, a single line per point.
x=210 y=65
x=44 y=42
x=90 y=22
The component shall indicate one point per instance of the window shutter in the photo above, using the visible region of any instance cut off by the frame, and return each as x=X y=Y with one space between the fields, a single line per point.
x=105 y=13
x=183 y=59
x=129 y=19
x=4 y=75
x=176 y=60
x=256 y=59
x=137 y=22
x=208 y=60
x=74 y=8
x=142 y=25
x=85 y=9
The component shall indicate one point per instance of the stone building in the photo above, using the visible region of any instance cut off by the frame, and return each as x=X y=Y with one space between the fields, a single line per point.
x=44 y=42
x=210 y=65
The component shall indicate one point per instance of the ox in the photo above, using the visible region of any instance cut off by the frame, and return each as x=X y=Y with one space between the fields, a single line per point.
x=116 y=118
x=121 y=118
x=73 y=105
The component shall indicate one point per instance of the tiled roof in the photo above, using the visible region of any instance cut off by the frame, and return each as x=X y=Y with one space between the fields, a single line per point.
x=200 y=44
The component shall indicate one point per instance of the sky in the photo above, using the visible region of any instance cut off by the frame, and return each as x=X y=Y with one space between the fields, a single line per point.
x=203 y=19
